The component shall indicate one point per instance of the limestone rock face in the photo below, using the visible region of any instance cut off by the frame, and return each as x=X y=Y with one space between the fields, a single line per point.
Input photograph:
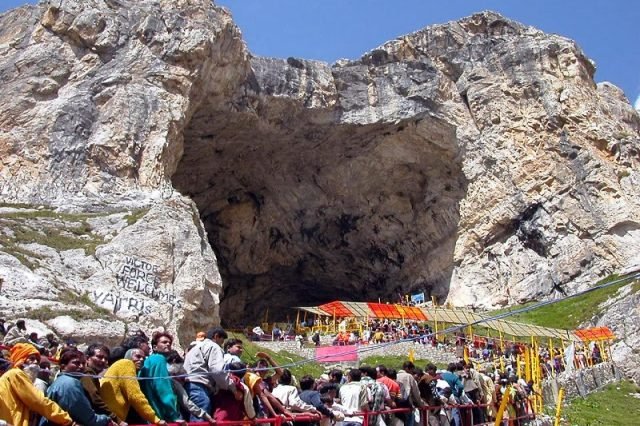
x=96 y=93
x=477 y=161
x=110 y=332
x=95 y=98
x=621 y=315
x=88 y=274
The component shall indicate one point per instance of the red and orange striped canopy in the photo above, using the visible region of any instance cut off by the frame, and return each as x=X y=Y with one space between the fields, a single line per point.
x=372 y=310
x=341 y=309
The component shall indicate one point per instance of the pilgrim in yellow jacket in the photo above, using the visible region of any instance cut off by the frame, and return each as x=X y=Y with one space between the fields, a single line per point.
x=120 y=390
x=19 y=399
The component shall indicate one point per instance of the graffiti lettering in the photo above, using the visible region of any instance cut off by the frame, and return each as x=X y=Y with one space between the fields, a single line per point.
x=140 y=264
x=138 y=276
x=116 y=303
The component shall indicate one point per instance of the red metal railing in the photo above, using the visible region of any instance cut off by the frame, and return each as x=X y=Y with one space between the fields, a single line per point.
x=425 y=413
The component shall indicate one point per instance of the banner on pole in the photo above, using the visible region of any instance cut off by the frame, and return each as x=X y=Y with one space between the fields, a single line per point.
x=417 y=298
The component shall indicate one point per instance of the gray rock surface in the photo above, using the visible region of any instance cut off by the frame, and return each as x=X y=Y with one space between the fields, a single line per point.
x=477 y=161
x=621 y=314
x=88 y=273
x=579 y=383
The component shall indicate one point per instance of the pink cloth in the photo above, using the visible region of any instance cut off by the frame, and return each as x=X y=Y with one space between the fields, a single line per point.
x=336 y=353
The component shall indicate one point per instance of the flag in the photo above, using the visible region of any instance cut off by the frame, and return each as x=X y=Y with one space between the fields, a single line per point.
x=569 y=354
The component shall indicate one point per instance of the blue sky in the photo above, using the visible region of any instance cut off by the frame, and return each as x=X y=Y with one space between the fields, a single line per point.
x=331 y=29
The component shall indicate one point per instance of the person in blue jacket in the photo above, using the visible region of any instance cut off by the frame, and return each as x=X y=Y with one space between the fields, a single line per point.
x=157 y=386
x=68 y=393
x=457 y=388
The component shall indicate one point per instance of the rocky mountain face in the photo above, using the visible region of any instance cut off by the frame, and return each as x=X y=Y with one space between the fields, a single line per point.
x=477 y=161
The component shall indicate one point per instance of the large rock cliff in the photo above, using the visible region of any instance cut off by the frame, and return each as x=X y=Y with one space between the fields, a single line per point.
x=477 y=161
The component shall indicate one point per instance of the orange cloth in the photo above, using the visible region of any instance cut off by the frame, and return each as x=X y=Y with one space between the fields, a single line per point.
x=20 y=352
x=253 y=381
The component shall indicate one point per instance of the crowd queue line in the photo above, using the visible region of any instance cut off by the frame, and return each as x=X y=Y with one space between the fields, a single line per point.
x=501 y=352
x=146 y=381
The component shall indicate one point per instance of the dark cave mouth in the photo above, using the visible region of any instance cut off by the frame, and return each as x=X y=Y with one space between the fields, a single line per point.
x=305 y=215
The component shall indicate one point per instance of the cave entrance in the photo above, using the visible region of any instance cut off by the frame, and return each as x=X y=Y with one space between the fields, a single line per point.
x=301 y=210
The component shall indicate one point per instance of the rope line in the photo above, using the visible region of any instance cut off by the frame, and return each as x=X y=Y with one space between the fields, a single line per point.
x=452 y=329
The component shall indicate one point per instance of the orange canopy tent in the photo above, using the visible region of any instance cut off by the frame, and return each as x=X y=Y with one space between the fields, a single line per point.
x=595 y=334
x=372 y=310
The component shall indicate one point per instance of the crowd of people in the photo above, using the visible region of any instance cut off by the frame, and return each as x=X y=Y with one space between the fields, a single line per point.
x=552 y=360
x=382 y=331
x=481 y=349
x=144 y=381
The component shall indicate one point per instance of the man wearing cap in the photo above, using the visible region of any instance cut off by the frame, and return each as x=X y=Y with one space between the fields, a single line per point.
x=19 y=397
x=204 y=364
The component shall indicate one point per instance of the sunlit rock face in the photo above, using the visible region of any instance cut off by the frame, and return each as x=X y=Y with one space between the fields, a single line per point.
x=96 y=95
x=476 y=161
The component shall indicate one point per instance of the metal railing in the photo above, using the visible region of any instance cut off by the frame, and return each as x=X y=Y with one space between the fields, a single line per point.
x=426 y=414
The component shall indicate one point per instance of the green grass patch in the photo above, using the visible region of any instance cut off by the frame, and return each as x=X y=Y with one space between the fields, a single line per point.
x=63 y=232
x=17 y=205
x=569 y=313
x=135 y=216
x=46 y=313
x=69 y=297
x=26 y=257
x=21 y=258
x=59 y=239
x=281 y=358
x=396 y=361
x=49 y=214
x=613 y=405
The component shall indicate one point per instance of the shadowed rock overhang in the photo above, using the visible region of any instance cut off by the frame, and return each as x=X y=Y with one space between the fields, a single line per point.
x=302 y=208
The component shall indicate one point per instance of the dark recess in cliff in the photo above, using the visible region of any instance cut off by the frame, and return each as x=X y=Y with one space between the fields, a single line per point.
x=302 y=211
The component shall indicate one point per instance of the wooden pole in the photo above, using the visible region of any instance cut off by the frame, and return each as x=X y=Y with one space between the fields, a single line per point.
x=334 y=320
x=501 y=352
x=435 y=315
x=503 y=405
x=562 y=345
x=605 y=349
x=559 y=407
x=537 y=376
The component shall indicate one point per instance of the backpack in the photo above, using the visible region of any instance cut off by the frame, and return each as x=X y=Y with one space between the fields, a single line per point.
x=375 y=397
